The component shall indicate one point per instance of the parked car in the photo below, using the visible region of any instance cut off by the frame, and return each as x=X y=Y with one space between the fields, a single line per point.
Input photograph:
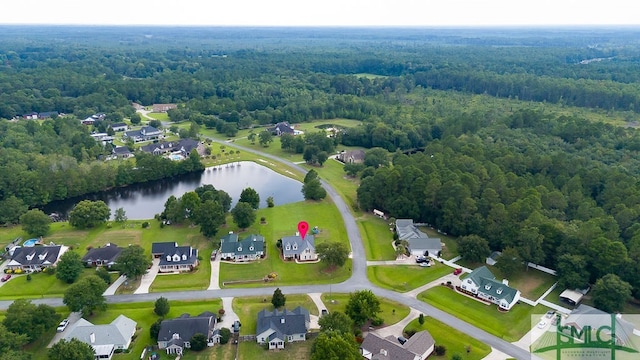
x=214 y=254
x=457 y=271
x=542 y=324
x=550 y=314
x=6 y=277
x=63 y=325
x=425 y=264
x=420 y=259
x=324 y=312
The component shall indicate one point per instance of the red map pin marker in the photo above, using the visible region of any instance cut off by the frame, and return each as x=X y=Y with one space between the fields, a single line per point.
x=303 y=227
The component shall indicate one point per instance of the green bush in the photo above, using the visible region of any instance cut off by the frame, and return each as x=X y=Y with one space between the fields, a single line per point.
x=145 y=224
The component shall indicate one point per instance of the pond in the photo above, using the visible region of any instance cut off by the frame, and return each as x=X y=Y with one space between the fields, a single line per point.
x=143 y=201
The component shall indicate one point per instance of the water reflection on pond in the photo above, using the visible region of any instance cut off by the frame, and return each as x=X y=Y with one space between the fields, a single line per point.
x=143 y=201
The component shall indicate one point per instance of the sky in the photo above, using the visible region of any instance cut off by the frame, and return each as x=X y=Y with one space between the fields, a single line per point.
x=321 y=12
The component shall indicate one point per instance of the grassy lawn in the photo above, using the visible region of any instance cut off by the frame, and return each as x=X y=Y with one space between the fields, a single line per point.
x=251 y=350
x=332 y=172
x=510 y=326
x=282 y=221
x=247 y=309
x=40 y=285
x=143 y=314
x=376 y=237
x=391 y=311
x=196 y=280
x=402 y=278
x=455 y=341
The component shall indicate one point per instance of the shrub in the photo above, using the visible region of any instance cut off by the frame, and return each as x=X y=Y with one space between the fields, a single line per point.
x=225 y=335
x=377 y=321
x=145 y=224
x=440 y=350
x=410 y=332
x=18 y=271
x=28 y=277
x=50 y=270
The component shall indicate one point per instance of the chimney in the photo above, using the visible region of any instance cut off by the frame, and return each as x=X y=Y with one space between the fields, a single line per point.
x=505 y=281
x=92 y=337
x=383 y=352
x=282 y=321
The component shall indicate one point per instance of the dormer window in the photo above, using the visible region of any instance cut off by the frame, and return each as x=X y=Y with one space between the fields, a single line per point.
x=30 y=257
x=176 y=257
x=169 y=258
x=295 y=246
x=250 y=248
x=499 y=291
x=184 y=257
x=288 y=247
x=239 y=248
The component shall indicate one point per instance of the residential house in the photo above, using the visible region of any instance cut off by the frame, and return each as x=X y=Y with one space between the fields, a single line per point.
x=279 y=327
x=248 y=249
x=419 y=242
x=104 y=137
x=104 y=339
x=119 y=127
x=282 y=128
x=35 y=258
x=47 y=115
x=102 y=256
x=418 y=347
x=146 y=133
x=181 y=147
x=173 y=257
x=30 y=116
x=294 y=247
x=175 y=334
x=351 y=157
x=137 y=106
x=483 y=284
x=625 y=332
x=122 y=152
x=160 y=108
x=93 y=118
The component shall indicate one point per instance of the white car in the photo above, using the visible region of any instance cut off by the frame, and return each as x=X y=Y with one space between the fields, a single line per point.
x=425 y=264
x=542 y=324
x=63 y=325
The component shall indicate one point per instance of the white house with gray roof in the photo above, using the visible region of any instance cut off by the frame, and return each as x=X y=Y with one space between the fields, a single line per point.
x=104 y=339
x=279 y=327
x=174 y=258
x=482 y=283
x=418 y=347
x=294 y=247
x=248 y=249
x=420 y=244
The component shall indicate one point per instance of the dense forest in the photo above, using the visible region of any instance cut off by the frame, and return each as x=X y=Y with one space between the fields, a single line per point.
x=493 y=117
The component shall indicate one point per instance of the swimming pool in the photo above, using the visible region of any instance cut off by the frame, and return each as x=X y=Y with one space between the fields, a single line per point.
x=176 y=157
x=30 y=242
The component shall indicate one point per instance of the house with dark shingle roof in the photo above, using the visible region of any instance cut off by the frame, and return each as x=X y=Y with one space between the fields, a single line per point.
x=420 y=244
x=279 y=327
x=248 y=249
x=418 y=347
x=122 y=152
x=183 y=147
x=351 y=157
x=294 y=247
x=102 y=256
x=173 y=257
x=282 y=128
x=35 y=258
x=175 y=334
x=482 y=283
x=145 y=133
x=104 y=339
x=121 y=126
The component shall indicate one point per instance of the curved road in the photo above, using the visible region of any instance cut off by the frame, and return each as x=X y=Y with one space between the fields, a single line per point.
x=358 y=281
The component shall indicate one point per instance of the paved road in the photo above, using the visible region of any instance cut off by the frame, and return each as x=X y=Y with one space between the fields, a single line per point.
x=358 y=281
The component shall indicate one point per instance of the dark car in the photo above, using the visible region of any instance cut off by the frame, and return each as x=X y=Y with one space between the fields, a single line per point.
x=421 y=259
x=457 y=271
x=6 y=277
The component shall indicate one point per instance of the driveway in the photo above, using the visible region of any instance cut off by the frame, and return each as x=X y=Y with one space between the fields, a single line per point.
x=214 y=282
x=73 y=318
x=229 y=316
x=111 y=290
x=147 y=279
x=395 y=330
